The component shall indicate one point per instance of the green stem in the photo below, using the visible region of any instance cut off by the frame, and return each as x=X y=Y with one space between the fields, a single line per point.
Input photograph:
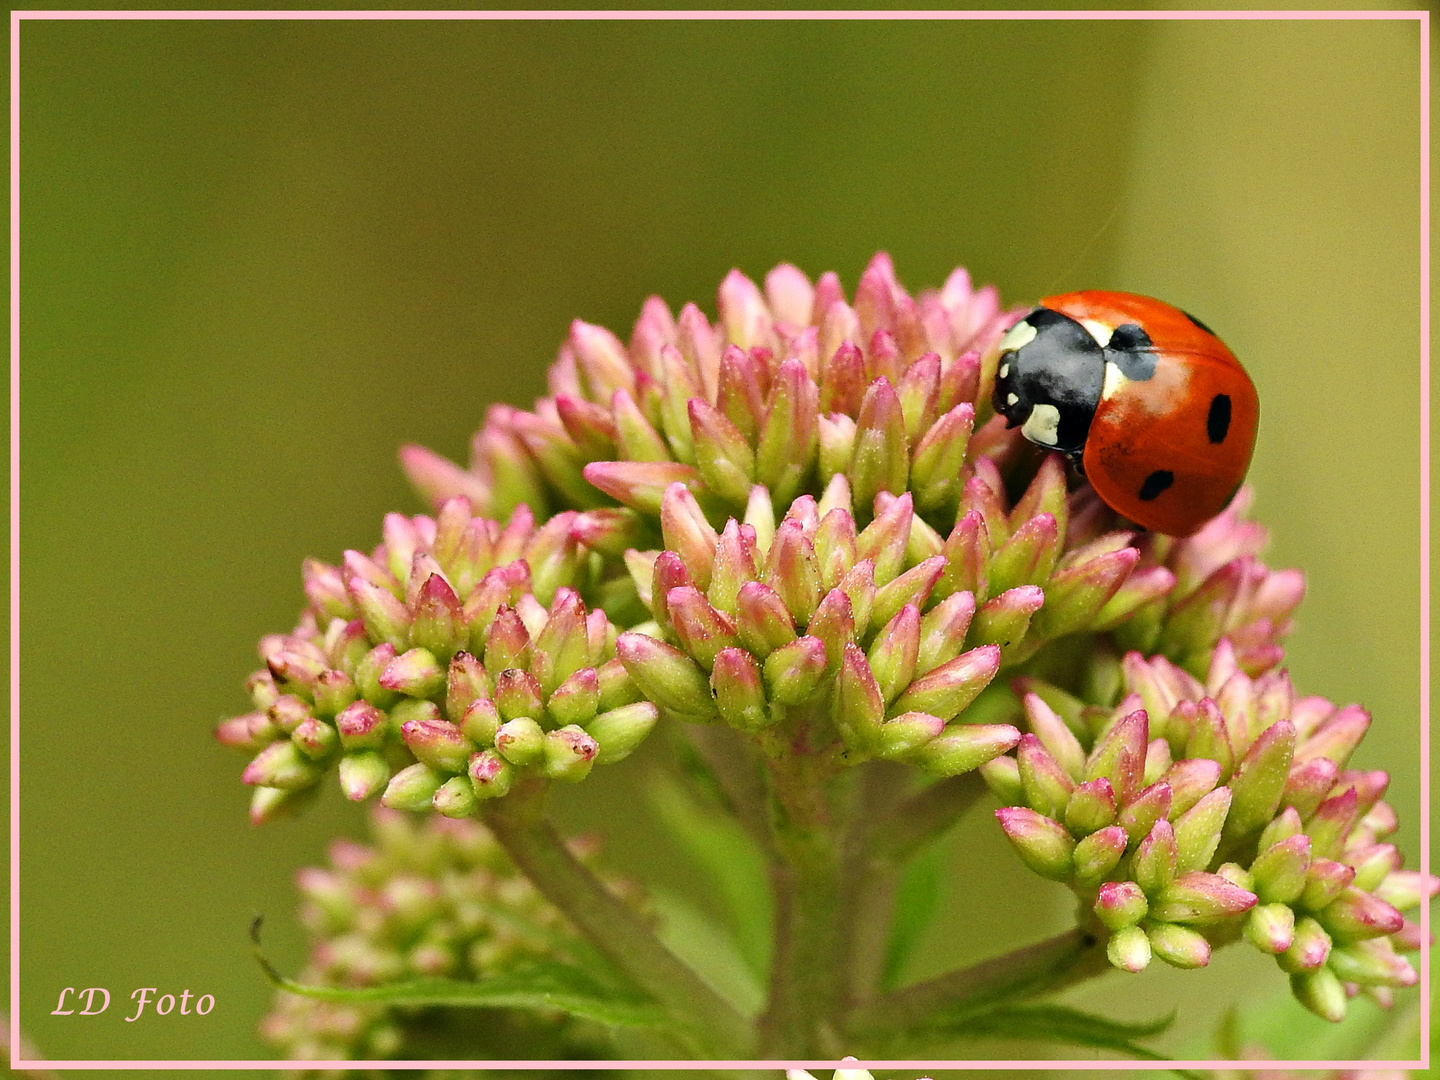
x=883 y=838
x=805 y=990
x=518 y=822
x=939 y=1003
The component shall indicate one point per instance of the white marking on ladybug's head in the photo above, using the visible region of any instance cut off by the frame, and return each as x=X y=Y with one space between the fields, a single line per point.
x=1012 y=399
x=1099 y=331
x=1018 y=336
x=1005 y=370
x=1115 y=380
x=1042 y=426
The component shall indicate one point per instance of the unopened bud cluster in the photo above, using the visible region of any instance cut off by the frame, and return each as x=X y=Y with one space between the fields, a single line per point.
x=1194 y=814
x=791 y=386
x=453 y=659
x=434 y=899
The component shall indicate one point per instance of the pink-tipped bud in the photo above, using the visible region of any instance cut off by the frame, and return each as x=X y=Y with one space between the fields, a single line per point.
x=665 y=675
x=1355 y=915
x=1308 y=951
x=793 y=672
x=1119 y=755
x=946 y=691
x=1271 y=928
x=1281 y=870
x=1120 y=904
x=1098 y=854
x=1042 y=843
x=1129 y=949
x=1200 y=897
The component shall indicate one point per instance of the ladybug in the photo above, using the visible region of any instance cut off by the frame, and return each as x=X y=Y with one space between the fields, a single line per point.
x=1144 y=399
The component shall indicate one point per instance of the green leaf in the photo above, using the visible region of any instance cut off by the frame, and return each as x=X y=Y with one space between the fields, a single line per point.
x=538 y=985
x=718 y=845
x=917 y=900
x=1059 y=1023
x=710 y=949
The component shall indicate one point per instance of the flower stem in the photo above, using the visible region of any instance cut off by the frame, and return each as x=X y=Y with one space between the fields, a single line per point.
x=805 y=994
x=710 y=1024
x=1046 y=967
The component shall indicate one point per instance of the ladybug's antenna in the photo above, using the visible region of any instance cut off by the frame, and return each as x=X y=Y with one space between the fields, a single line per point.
x=1095 y=236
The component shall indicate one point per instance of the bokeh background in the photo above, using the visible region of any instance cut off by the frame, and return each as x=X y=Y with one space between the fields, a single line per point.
x=256 y=257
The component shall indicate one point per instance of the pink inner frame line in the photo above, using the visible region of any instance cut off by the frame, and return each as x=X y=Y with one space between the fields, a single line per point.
x=16 y=17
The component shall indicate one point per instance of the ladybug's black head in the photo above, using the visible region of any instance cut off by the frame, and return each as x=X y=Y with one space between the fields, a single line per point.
x=1048 y=382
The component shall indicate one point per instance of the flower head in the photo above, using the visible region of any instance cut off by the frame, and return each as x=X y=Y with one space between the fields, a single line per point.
x=791 y=385
x=437 y=899
x=454 y=659
x=1195 y=813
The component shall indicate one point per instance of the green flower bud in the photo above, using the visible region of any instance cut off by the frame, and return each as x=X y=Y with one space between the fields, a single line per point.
x=1271 y=928
x=455 y=798
x=665 y=675
x=1321 y=992
x=790 y=439
x=1042 y=844
x=1178 y=946
x=438 y=743
x=1150 y=806
x=740 y=691
x=517 y=693
x=282 y=765
x=794 y=672
x=963 y=747
x=1048 y=789
x=907 y=732
x=880 y=460
x=1129 y=949
x=1197 y=831
x=945 y=691
x=521 y=741
x=317 y=739
x=1200 y=897
x=362 y=774
x=490 y=775
x=577 y=699
x=1324 y=882
x=640 y=485
x=413 y=788
x=762 y=621
x=1155 y=859
x=1119 y=904
x=1028 y=557
x=1308 y=951
x=361 y=726
x=722 y=452
x=1098 y=854
x=892 y=658
x=1354 y=915
x=415 y=674
x=569 y=753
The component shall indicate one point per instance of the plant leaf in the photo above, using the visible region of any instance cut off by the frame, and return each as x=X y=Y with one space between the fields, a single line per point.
x=1059 y=1023
x=720 y=847
x=710 y=949
x=538 y=985
x=917 y=900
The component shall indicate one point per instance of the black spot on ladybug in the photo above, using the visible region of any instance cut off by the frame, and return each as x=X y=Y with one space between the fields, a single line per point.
x=1198 y=323
x=1155 y=483
x=1131 y=350
x=1217 y=424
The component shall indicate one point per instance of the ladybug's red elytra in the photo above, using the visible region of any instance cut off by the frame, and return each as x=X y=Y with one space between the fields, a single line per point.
x=1144 y=399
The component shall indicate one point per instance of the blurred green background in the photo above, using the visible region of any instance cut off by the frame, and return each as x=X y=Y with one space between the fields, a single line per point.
x=256 y=257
